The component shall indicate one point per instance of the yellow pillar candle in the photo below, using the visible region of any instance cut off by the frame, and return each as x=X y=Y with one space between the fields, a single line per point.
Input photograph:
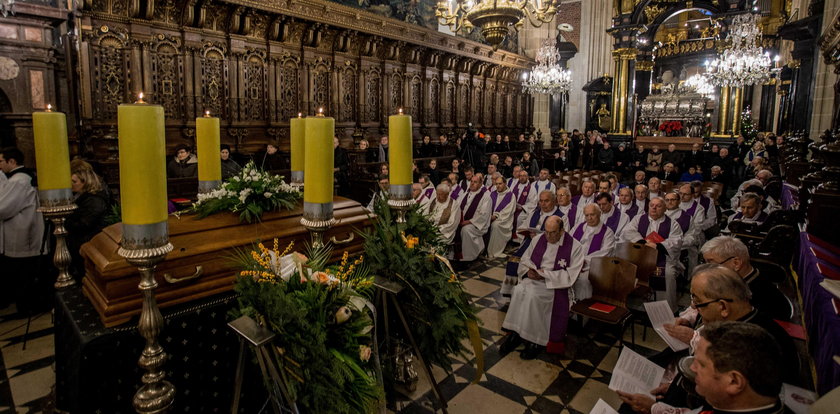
x=207 y=139
x=52 y=155
x=296 y=130
x=399 y=149
x=318 y=159
x=142 y=145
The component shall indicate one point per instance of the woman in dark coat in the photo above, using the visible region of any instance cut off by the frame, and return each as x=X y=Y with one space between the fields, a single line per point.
x=529 y=164
x=426 y=149
x=92 y=206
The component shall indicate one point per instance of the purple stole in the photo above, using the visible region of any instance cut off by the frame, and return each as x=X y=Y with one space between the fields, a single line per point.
x=633 y=211
x=647 y=204
x=455 y=192
x=511 y=182
x=505 y=201
x=597 y=239
x=427 y=193
x=537 y=186
x=613 y=221
x=684 y=220
x=521 y=199
x=572 y=215
x=535 y=218
x=705 y=202
x=576 y=199
x=467 y=215
x=560 y=308
x=664 y=230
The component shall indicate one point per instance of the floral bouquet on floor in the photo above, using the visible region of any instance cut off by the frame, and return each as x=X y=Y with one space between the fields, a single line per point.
x=249 y=193
x=323 y=326
x=435 y=304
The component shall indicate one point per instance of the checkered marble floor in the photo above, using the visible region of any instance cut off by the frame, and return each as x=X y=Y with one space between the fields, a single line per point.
x=27 y=375
x=570 y=383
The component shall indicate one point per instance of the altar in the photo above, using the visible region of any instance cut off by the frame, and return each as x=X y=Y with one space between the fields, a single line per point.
x=682 y=143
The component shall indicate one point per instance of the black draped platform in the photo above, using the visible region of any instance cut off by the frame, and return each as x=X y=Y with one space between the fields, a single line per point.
x=96 y=367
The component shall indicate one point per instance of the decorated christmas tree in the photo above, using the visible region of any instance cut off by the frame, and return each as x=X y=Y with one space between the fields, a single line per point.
x=747 y=126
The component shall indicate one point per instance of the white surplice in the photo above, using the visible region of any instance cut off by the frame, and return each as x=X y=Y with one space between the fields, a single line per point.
x=536 y=188
x=472 y=235
x=622 y=220
x=538 y=228
x=501 y=228
x=582 y=288
x=446 y=225
x=672 y=245
x=531 y=305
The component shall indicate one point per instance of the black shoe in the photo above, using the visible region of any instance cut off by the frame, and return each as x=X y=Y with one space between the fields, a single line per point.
x=530 y=352
x=511 y=341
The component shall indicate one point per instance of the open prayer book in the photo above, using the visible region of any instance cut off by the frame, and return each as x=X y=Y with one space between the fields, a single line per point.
x=634 y=374
x=660 y=313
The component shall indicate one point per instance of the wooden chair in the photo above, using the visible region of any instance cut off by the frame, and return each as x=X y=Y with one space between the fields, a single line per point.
x=644 y=257
x=667 y=186
x=612 y=280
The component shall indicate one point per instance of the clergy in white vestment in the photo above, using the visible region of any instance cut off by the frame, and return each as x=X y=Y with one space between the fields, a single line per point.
x=736 y=199
x=382 y=193
x=489 y=181
x=444 y=212
x=603 y=187
x=475 y=221
x=570 y=213
x=597 y=240
x=542 y=183
x=626 y=204
x=654 y=188
x=456 y=192
x=427 y=191
x=709 y=210
x=521 y=192
x=750 y=210
x=642 y=201
x=514 y=177
x=684 y=219
x=586 y=196
x=657 y=230
x=501 y=221
x=534 y=224
x=610 y=215
x=539 y=308
x=693 y=240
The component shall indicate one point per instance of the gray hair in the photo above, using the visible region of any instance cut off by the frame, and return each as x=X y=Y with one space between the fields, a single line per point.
x=764 y=172
x=751 y=196
x=566 y=189
x=443 y=187
x=726 y=246
x=551 y=195
x=723 y=283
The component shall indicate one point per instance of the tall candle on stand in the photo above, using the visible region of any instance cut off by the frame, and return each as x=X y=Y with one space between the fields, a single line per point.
x=142 y=146
x=297 y=131
x=209 y=161
x=400 y=156
x=52 y=157
x=318 y=167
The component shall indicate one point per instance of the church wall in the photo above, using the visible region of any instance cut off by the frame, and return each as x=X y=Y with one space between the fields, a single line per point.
x=824 y=81
x=593 y=58
x=257 y=64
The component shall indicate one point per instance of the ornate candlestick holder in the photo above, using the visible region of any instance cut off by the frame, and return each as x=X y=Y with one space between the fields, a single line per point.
x=317 y=218
x=144 y=246
x=297 y=180
x=56 y=205
x=400 y=200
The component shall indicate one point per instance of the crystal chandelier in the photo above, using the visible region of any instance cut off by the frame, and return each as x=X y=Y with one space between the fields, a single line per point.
x=548 y=76
x=494 y=18
x=699 y=84
x=745 y=62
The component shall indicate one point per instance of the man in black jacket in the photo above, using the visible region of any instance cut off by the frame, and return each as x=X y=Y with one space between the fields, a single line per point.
x=693 y=158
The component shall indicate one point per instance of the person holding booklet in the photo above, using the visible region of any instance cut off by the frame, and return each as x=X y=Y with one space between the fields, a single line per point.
x=539 y=307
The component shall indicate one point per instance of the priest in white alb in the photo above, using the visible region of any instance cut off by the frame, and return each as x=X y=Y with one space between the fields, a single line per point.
x=444 y=212
x=535 y=223
x=586 y=196
x=597 y=239
x=570 y=213
x=501 y=221
x=427 y=191
x=539 y=308
x=476 y=209
x=543 y=183
x=521 y=191
x=655 y=229
x=610 y=215
x=626 y=204
x=694 y=239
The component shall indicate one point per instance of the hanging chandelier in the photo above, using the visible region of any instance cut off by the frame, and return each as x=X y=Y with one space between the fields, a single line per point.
x=548 y=76
x=700 y=84
x=745 y=62
x=494 y=18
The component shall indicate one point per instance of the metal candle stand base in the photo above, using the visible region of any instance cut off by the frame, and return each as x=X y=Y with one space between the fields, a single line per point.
x=61 y=258
x=401 y=207
x=317 y=228
x=156 y=395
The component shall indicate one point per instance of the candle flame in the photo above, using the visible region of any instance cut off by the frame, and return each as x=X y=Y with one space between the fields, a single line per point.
x=207 y=114
x=140 y=98
x=300 y=115
x=49 y=107
x=400 y=111
x=321 y=111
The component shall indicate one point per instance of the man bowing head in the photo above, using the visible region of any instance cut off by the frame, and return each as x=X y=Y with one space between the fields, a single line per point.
x=539 y=307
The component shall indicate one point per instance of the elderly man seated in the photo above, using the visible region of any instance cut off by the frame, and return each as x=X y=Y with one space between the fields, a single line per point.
x=709 y=227
x=750 y=210
x=642 y=201
x=475 y=221
x=571 y=214
x=657 y=230
x=690 y=215
x=731 y=372
x=427 y=191
x=654 y=188
x=626 y=204
x=501 y=221
x=610 y=215
x=539 y=309
x=521 y=191
x=586 y=196
x=444 y=212
x=597 y=240
x=733 y=253
x=381 y=194
x=535 y=223
x=542 y=183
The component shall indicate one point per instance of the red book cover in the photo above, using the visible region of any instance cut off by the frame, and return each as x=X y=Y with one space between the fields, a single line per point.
x=793 y=330
x=602 y=307
x=180 y=200
x=654 y=237
x=828 y=271
x=825 y=256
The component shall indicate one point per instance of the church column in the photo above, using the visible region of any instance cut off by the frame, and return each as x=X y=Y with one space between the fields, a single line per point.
x=723 y=112
x=623 y=89
x=737 y=107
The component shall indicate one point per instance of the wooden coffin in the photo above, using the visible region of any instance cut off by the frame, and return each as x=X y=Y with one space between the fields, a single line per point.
x=200 y=264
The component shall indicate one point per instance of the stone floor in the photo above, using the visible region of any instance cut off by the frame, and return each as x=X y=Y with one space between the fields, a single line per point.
x=571 y=383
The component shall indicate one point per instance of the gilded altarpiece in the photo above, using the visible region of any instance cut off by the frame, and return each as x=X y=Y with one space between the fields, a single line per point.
x=257 y=64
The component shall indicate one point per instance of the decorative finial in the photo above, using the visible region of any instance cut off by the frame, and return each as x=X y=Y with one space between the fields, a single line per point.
x=140 y=99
